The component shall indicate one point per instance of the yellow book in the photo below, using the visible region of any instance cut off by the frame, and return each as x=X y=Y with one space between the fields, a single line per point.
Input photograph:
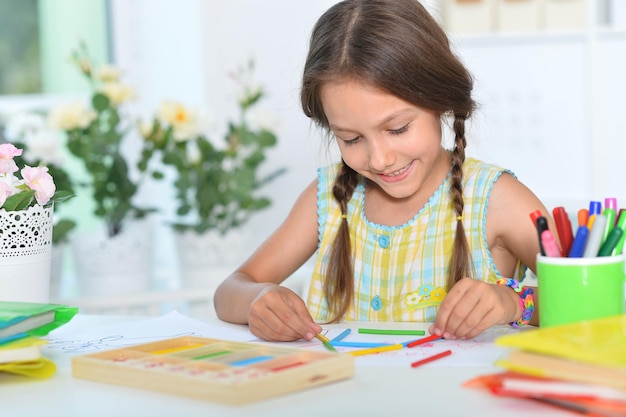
x=596 y=342
x=22 y=350
x=593 y=351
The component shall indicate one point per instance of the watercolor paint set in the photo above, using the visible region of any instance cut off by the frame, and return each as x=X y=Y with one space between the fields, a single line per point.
x=214 y=370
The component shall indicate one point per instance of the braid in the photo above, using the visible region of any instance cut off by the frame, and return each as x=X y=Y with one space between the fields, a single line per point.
x=459 y=262
x=339 y=283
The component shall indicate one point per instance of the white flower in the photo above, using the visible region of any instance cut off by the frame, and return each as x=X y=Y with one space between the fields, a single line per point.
x=118 y=92
x=108 y=73
x=145 y=128
x=193 y=153
x=22 y=125
x=184 y=121
x=71 y=116
x=45 y=146
x=262 y=119
x=8 y=186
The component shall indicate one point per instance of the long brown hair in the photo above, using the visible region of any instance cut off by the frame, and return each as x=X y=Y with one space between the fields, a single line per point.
x=397 y=46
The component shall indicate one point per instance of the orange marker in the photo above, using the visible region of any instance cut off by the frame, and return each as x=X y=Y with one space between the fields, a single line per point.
x=583 y=217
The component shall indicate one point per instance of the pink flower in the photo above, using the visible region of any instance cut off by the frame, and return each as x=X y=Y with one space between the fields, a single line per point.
x=5 y=191
x=38 y=180
x=7 y=152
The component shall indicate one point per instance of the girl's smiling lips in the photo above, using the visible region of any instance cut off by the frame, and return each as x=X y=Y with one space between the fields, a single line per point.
x=398 y=175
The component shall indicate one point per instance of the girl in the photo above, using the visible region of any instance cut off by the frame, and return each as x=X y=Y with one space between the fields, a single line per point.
x=404 y=229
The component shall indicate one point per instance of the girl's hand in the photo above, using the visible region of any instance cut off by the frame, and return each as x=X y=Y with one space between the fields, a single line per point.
x=278 y=314
x=473 y=306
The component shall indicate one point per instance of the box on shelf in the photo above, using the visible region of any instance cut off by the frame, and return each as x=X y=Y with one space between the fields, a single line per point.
x=520 y=15
x=469 y=16
x=565 y=14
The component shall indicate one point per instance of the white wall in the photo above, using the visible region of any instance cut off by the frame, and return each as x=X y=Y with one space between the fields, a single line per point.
x=184 y=50
x=551 y=104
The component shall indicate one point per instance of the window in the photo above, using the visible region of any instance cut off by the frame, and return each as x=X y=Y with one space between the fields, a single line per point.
x=37 y=38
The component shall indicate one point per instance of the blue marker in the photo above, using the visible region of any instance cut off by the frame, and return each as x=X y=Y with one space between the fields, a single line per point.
x=595 y=207
x=341 y=336
x=578 y=245
x=250 y=361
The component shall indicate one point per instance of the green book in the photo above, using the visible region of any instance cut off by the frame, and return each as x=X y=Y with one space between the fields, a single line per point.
x=22 y=319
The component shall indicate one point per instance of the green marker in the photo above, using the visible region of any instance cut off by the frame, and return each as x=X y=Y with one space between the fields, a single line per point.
x=621 y=223
x=393 y=332
x=611 y=242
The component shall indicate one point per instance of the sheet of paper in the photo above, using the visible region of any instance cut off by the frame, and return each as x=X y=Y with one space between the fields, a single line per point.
x=81 y=336
x=479 y=351
x=93 y=334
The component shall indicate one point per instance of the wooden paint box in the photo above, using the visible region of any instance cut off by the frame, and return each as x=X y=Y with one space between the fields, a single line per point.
x=214 y=370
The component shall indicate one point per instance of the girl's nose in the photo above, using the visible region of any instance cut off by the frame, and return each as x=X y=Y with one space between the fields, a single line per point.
x=381 y=156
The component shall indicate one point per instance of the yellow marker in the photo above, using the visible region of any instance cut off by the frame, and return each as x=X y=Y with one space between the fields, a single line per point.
x=322 y=338
x=376 y=350
x=176 y=349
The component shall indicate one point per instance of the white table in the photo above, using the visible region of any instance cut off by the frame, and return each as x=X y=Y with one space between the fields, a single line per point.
x=426 y=391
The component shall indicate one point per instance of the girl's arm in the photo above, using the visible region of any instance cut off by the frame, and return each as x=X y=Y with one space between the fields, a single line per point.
x=253 y=295
x=472 y=306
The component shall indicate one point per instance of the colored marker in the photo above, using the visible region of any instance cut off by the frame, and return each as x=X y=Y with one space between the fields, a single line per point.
x=341 y=335
x=595 y=207
x=287 y=366
x=549 y=244
x=535 y=215
x=563 y=228
x=249 y=361
x=376 y=350
x=322 y=338
x=611 y=242
x=609 y=213
x=176 y=349
x=329 y=347
x=621 y=223
x=610 y=202
x=542 y=224
x=579 y=243
x=393 y=332
x=583 y=217
x=211 y=355
x=431 y=358
x=595 y=237
x=341 y=343
x=423 y=340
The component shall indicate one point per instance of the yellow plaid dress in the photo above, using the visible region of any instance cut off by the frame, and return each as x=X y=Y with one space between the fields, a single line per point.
x=400 y=271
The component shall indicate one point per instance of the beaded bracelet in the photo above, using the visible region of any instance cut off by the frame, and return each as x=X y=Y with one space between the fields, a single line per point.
x=526 y=300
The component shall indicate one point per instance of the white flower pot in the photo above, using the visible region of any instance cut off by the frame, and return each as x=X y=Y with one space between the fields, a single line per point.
x=25 y=254
x=207 y=259
x=113 y=265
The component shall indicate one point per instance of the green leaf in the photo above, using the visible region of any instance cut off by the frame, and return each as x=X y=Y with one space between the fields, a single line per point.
x=61 y=196
x=19 y=201
x=100 y=102
x=61 y=230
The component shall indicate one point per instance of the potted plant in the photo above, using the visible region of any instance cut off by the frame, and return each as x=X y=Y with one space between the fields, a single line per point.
x=118 y=258
x=43 y=147
x=27 y=197
x=216 y=184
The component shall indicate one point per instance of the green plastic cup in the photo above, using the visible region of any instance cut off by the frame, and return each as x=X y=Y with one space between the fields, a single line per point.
x=578 y=289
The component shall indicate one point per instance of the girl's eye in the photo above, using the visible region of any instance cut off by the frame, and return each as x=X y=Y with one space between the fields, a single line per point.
x=400 y=131
x=349 y=142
